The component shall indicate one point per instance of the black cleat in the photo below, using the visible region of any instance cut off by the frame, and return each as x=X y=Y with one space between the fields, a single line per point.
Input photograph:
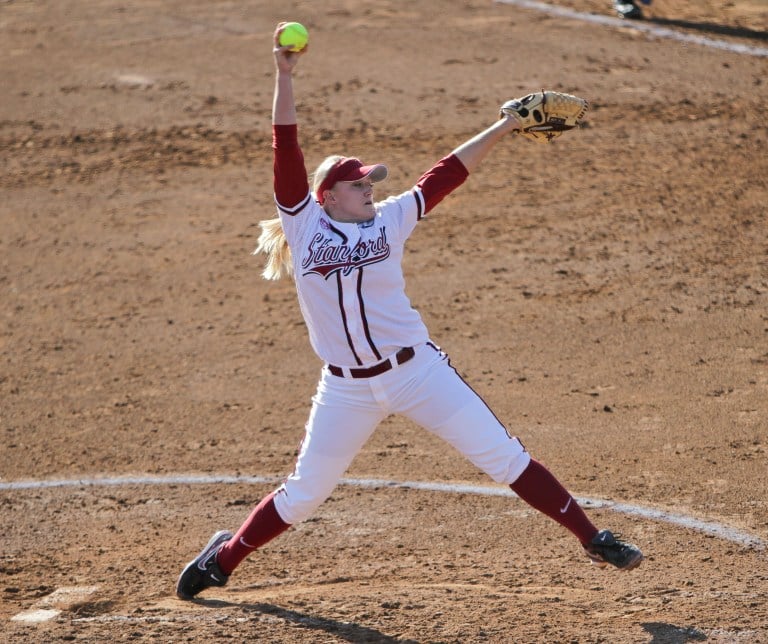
x=606 y=548
x=627 y=9
x=203 y=571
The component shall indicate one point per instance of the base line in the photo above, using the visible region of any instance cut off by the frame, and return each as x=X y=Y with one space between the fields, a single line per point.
x=650 y=29
x=713 y=528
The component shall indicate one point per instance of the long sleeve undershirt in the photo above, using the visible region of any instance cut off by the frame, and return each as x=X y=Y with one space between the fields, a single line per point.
x=291 y=182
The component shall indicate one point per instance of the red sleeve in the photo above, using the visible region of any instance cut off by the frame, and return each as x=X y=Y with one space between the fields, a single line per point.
x=441 y=179
x=291 y=181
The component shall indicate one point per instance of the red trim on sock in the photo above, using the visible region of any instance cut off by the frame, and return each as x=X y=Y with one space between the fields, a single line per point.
x=538 y=487
x=263 y=525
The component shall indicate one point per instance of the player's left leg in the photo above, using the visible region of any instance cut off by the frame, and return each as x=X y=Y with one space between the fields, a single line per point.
x=442 y=402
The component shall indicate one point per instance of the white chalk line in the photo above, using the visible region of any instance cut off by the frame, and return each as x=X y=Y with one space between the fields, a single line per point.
x=712 y=528
x=50 y=607
x=648 y=28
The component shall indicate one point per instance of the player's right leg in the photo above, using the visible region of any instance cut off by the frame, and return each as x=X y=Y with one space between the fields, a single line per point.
x=344 y=414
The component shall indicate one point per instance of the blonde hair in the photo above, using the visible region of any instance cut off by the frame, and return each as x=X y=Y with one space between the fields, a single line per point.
x=322 y=171
x=274 y=245
x=272 y=241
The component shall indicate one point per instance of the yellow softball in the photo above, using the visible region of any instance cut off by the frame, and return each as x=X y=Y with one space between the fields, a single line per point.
x=294 y=35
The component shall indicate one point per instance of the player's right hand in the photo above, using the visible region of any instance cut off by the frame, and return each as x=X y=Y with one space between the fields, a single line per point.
x=285 y=59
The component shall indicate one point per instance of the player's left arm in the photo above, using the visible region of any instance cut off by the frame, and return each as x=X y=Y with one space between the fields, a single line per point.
x=474 y=150
x=438 y=182
x=451 y=171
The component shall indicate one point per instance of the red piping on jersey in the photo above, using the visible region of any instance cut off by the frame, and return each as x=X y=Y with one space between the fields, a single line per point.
x=296 y=209
x=362 y=313
x=344 y=318
x=419 y=203
x=344 y=238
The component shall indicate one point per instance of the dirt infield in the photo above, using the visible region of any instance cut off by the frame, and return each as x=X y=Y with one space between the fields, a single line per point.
x=606 y=294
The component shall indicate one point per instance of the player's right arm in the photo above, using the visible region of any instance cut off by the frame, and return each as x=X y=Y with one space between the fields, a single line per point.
x=291 y=183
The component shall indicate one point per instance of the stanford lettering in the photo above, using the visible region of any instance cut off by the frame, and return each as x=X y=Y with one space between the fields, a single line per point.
x=326 y=258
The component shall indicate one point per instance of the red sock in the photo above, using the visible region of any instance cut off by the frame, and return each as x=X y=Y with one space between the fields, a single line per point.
x=263 y=525
x=541 y=490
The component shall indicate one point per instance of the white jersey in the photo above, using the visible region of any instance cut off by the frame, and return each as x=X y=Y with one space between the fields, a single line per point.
x=350 y=282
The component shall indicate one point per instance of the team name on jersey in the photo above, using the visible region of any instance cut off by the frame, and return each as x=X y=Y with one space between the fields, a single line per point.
x=324 y=257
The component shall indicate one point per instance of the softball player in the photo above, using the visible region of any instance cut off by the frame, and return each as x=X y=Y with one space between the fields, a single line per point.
x=344 y=251
x=629 y=8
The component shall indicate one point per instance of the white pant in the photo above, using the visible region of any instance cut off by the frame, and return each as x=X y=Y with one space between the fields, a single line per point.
x=427 y=390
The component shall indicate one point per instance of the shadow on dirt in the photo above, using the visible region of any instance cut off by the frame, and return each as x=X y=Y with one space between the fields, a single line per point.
x=669 y=634
x=348 y=631
x=711 y=28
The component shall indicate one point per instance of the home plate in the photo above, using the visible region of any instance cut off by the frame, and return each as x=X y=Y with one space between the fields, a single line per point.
x=36 y=615
x=50 y=606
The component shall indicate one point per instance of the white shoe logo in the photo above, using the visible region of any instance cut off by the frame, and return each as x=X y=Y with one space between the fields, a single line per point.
x=203 y=565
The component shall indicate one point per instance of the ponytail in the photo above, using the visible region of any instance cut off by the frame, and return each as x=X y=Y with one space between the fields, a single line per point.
x=272 y=240
x=273 y=244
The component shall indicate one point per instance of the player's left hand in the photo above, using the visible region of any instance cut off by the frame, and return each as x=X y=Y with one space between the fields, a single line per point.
x=545 y=115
